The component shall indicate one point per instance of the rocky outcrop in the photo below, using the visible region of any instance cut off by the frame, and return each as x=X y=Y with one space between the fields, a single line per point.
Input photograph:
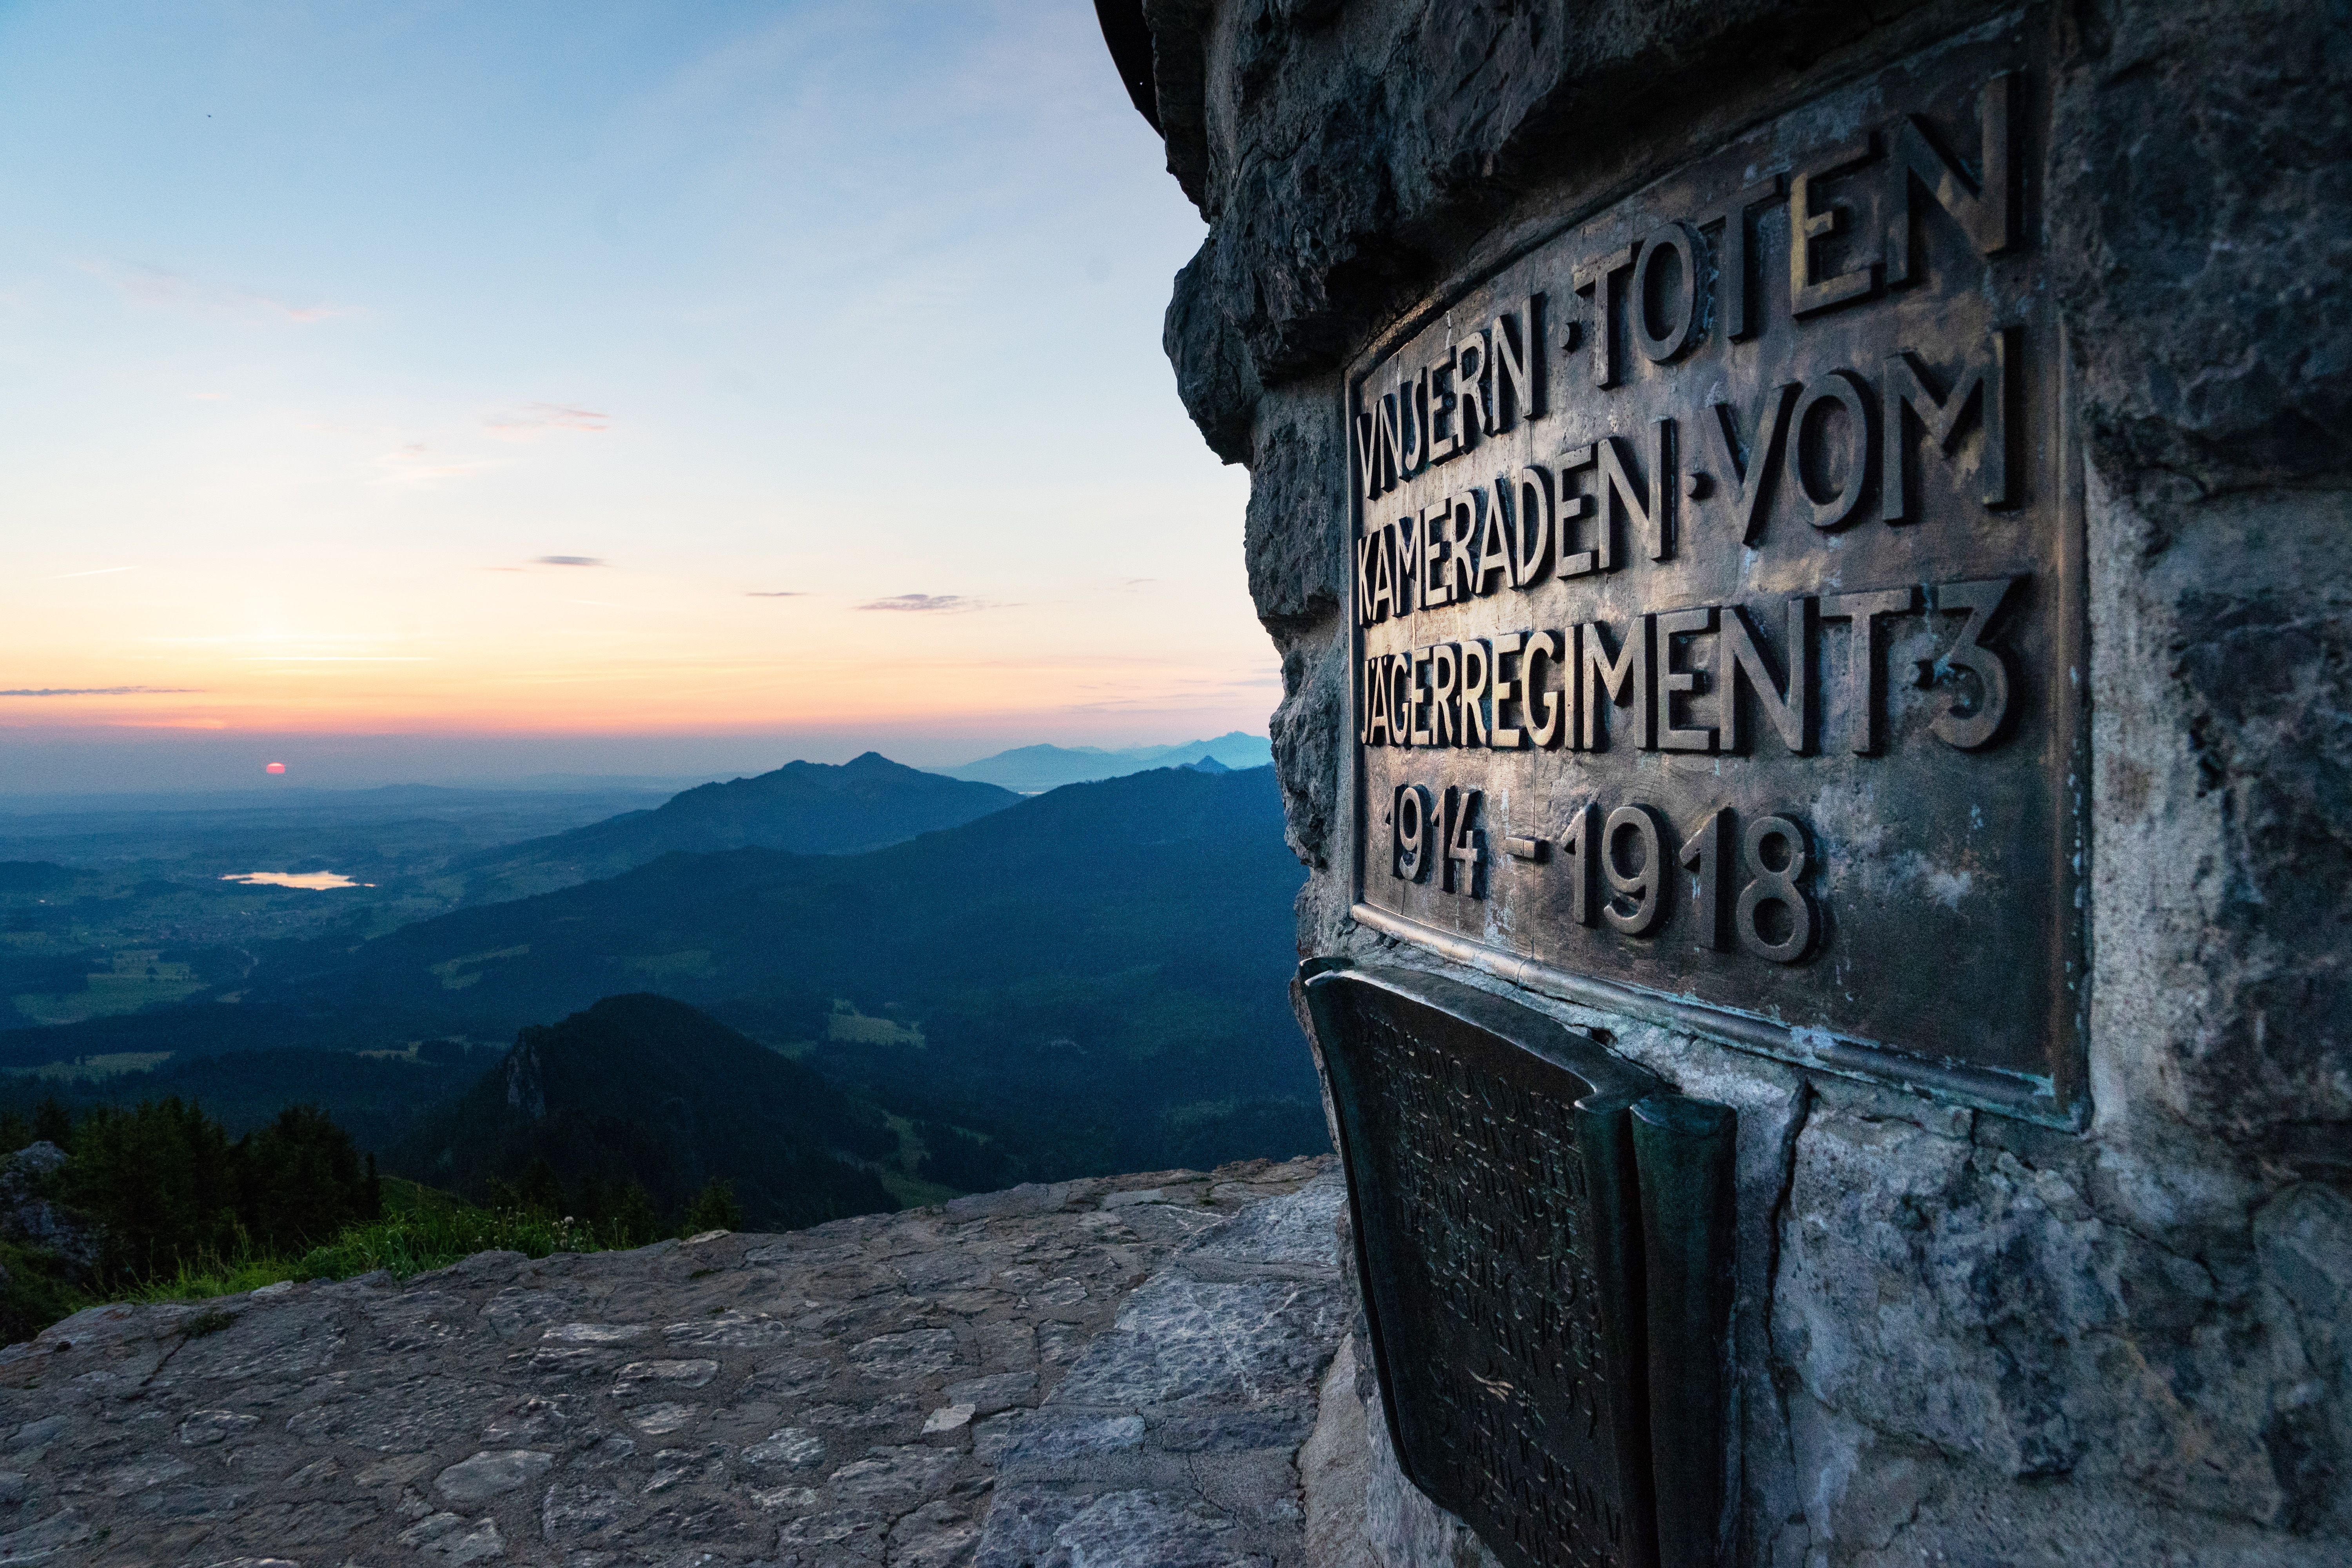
x=1956 y=1334
x=1115 y=1370
x=30 y=1215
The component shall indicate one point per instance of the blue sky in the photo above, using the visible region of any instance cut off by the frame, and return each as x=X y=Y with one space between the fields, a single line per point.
x=722 y=382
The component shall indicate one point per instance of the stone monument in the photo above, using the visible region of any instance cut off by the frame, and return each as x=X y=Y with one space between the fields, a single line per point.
x=1810 y=552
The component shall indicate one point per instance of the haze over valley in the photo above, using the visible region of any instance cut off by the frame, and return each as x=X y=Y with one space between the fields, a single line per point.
x=996 y=986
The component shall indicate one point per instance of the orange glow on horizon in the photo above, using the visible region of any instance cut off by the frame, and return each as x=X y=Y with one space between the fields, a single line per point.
x=514 y=655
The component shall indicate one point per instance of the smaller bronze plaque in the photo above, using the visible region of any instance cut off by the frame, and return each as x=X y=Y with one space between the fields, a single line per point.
x=1491 y=1168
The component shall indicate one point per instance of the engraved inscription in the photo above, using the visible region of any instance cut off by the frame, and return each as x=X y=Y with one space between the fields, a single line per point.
x=1716 y=587
x=1494 y=1170
x=1515 y=1396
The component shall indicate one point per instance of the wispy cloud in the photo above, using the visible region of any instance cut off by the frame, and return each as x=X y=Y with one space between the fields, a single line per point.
x=566 y=561
x=160 y=286
x=533 y=420
x=103 y=691
x=780 y=594
x=334 y=659
x=416 y=463
x=934 y=603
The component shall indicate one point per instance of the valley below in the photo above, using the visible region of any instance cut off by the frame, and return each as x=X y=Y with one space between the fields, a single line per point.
x=985 y=988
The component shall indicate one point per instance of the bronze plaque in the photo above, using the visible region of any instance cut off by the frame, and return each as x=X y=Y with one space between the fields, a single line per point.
x=1717 y=577
x=1493 y=1188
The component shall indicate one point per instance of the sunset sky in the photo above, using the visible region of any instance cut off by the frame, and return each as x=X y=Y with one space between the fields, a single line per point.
x=462 y=391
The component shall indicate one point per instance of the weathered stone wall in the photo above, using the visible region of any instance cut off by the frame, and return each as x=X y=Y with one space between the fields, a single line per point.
x=1961 y=1339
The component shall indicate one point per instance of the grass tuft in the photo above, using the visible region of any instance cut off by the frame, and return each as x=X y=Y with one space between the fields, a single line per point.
x=428 y=1233
x=422 y=1229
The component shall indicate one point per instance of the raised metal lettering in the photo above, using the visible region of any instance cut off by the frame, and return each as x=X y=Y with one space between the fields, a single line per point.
x=1842 y=448
x=1668 y=298
x=1985 y=207
x=1809 y=291
x=1807 y=540
x=1598 y=278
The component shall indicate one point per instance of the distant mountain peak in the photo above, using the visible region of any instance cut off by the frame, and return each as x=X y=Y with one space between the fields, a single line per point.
x=1036 y=768
x=803 y=809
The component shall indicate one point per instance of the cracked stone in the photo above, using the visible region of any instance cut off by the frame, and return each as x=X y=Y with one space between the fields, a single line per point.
x=454 y=1540
x=936 y=1535
x=642 y=1376
x=896 y=1358
x=795 y=1448
x=947 y=1418
x=785 y=1379
x=571 y=1510
x=730 y=1330
x=486 y=1475
x=1032 y=1528
x=596 y=1333
x=215 y=1427
x=661 y=1420
x=1042 y=1436
x=988 y=1396
x=1180 y=1338
x=891 y=1472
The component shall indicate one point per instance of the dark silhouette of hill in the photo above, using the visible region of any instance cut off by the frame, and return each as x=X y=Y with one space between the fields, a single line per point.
x=807 y=808
x=645 y=1090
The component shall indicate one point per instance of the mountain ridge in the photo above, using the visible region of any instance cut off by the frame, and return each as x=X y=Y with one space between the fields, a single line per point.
x=1033 y=770
x=803 y=807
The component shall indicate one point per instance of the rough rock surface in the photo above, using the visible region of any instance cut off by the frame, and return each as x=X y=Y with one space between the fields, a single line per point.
x=29 y=1218
x=1111 y=1371
x=1958 y=1336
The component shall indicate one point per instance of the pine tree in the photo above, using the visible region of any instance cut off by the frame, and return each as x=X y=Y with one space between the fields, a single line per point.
x=634 y=1223
x=300 y=1182
x=592 y=1200
x=541 y=1192
x=53 y=1123
x=160 y=1181
x=715 y=1208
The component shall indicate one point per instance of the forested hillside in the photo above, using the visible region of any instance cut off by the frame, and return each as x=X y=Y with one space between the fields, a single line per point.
x=1091 y=980
x=647 y=1091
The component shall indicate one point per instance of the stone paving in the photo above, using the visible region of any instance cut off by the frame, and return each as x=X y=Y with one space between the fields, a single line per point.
x=1117 y=1371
